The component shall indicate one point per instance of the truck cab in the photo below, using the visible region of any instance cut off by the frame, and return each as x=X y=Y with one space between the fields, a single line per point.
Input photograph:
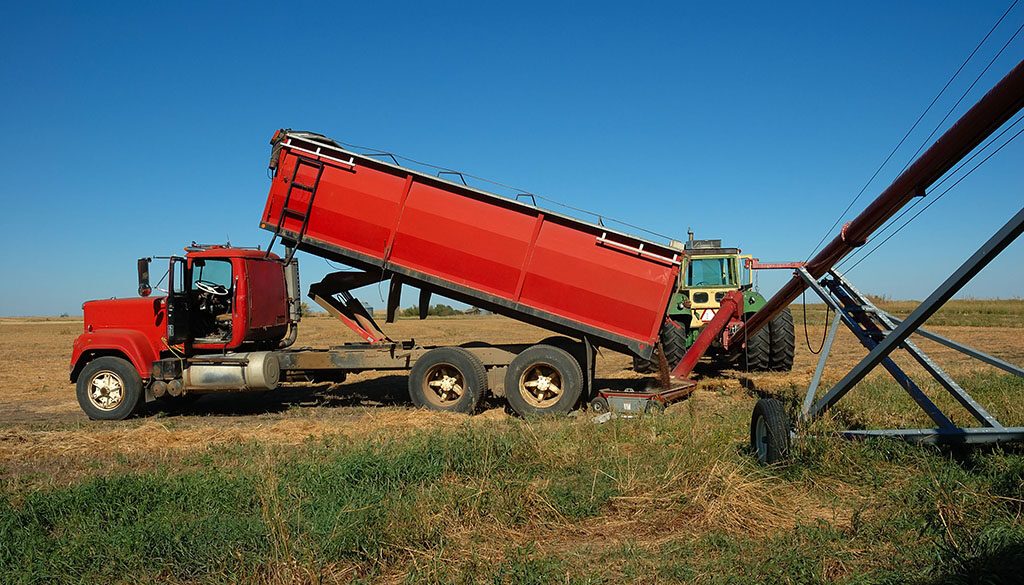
x=220 y=302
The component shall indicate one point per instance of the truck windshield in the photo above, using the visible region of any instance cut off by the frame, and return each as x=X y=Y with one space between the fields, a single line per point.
x=709 y=272
x=212 y=271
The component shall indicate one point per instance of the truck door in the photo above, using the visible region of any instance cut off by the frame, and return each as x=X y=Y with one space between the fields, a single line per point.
x=178 y=330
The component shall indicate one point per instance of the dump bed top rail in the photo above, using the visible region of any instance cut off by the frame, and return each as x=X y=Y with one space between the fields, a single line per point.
x=327 y=149
x=547 y=268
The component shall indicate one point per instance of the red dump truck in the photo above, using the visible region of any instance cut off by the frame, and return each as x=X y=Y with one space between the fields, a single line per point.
x=230 y=316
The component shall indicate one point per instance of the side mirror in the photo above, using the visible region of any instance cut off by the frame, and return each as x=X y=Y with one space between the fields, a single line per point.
x=144 y=288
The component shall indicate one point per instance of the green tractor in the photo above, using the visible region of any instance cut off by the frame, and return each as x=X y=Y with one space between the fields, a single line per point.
x=708 y=272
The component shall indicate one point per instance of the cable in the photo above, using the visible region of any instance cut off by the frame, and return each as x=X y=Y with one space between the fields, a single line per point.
x=521 y=192
x=918 y=121
x=807 y=336
x=948 y=189
x=339 y=268
x=892 y=221
x=935 y=187
x=962 y=96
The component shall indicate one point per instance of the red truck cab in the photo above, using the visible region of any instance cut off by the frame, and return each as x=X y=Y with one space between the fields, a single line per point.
x=219 y=300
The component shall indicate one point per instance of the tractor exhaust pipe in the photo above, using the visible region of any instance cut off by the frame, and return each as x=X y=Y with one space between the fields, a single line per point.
x=997 y=106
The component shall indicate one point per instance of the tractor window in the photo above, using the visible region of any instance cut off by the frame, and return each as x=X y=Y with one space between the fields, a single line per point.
x=709 y=272
x=212 y=271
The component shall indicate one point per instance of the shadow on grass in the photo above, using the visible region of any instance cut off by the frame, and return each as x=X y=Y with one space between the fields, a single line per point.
x=379 y=392
x=1000 y=563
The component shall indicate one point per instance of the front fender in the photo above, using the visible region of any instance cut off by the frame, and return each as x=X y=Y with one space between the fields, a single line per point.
x=132 y=345
x=752 y=301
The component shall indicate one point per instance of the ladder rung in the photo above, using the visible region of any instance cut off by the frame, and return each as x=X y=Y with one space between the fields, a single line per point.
x=303 y=186
x=294 y=213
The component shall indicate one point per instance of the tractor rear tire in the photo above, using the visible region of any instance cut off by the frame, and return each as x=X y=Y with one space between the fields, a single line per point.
x=449 y=379
x=782 y=342
x=673 y=342
x=543 y=380
x=754 y=356
x=769 y=431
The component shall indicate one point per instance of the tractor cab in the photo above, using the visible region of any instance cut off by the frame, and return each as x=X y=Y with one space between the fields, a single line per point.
x=708 y=272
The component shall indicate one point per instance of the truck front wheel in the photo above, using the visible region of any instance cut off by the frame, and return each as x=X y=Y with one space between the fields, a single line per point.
x=109 y=388
x=448 y=378
x=543 y=380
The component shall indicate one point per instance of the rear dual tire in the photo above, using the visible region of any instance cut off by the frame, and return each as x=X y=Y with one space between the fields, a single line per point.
x=448 y=379
x=543 y=380
x=782 y=344
x=771 y=348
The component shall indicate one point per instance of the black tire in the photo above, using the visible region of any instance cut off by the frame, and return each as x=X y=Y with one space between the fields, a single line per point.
x=575 y=348
x=578 y=350
x=599 y=405
x=673 y=343
x=754 y=357
x=654 y=407
x=543 y=380
x=782 y=342
x=642 y=366
x=769 y=431
x=109 y=388
x=449 y=379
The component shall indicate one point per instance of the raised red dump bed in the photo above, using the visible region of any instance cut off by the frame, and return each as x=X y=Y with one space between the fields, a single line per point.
x=494 y=252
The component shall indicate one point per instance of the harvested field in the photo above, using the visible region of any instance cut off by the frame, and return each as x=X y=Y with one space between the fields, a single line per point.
x=347 y=482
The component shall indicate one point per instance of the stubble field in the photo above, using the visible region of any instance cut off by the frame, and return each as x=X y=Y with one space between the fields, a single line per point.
x=347 y=482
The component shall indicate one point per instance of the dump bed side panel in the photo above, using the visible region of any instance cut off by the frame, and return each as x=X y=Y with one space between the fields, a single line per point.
x=526 y=262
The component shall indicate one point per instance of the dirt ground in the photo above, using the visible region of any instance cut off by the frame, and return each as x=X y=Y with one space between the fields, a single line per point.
x=40 y=418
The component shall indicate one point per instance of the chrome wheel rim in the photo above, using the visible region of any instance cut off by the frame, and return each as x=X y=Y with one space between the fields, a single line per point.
x=541 y=385
x=444 y=385
x=106 y=390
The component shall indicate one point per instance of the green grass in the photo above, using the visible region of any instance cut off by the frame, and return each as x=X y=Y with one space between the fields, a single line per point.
x=665 y=499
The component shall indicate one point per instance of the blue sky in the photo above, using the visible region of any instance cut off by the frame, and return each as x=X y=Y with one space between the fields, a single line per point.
x=135 y=128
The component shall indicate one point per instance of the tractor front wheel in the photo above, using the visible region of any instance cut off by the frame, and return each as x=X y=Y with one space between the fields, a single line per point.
x=673 y=342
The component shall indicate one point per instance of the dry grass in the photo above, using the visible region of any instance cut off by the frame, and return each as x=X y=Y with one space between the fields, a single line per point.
x=40 y=419
x=659 y=487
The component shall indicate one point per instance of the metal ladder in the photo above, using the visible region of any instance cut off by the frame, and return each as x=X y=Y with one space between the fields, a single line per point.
x=287 y=211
